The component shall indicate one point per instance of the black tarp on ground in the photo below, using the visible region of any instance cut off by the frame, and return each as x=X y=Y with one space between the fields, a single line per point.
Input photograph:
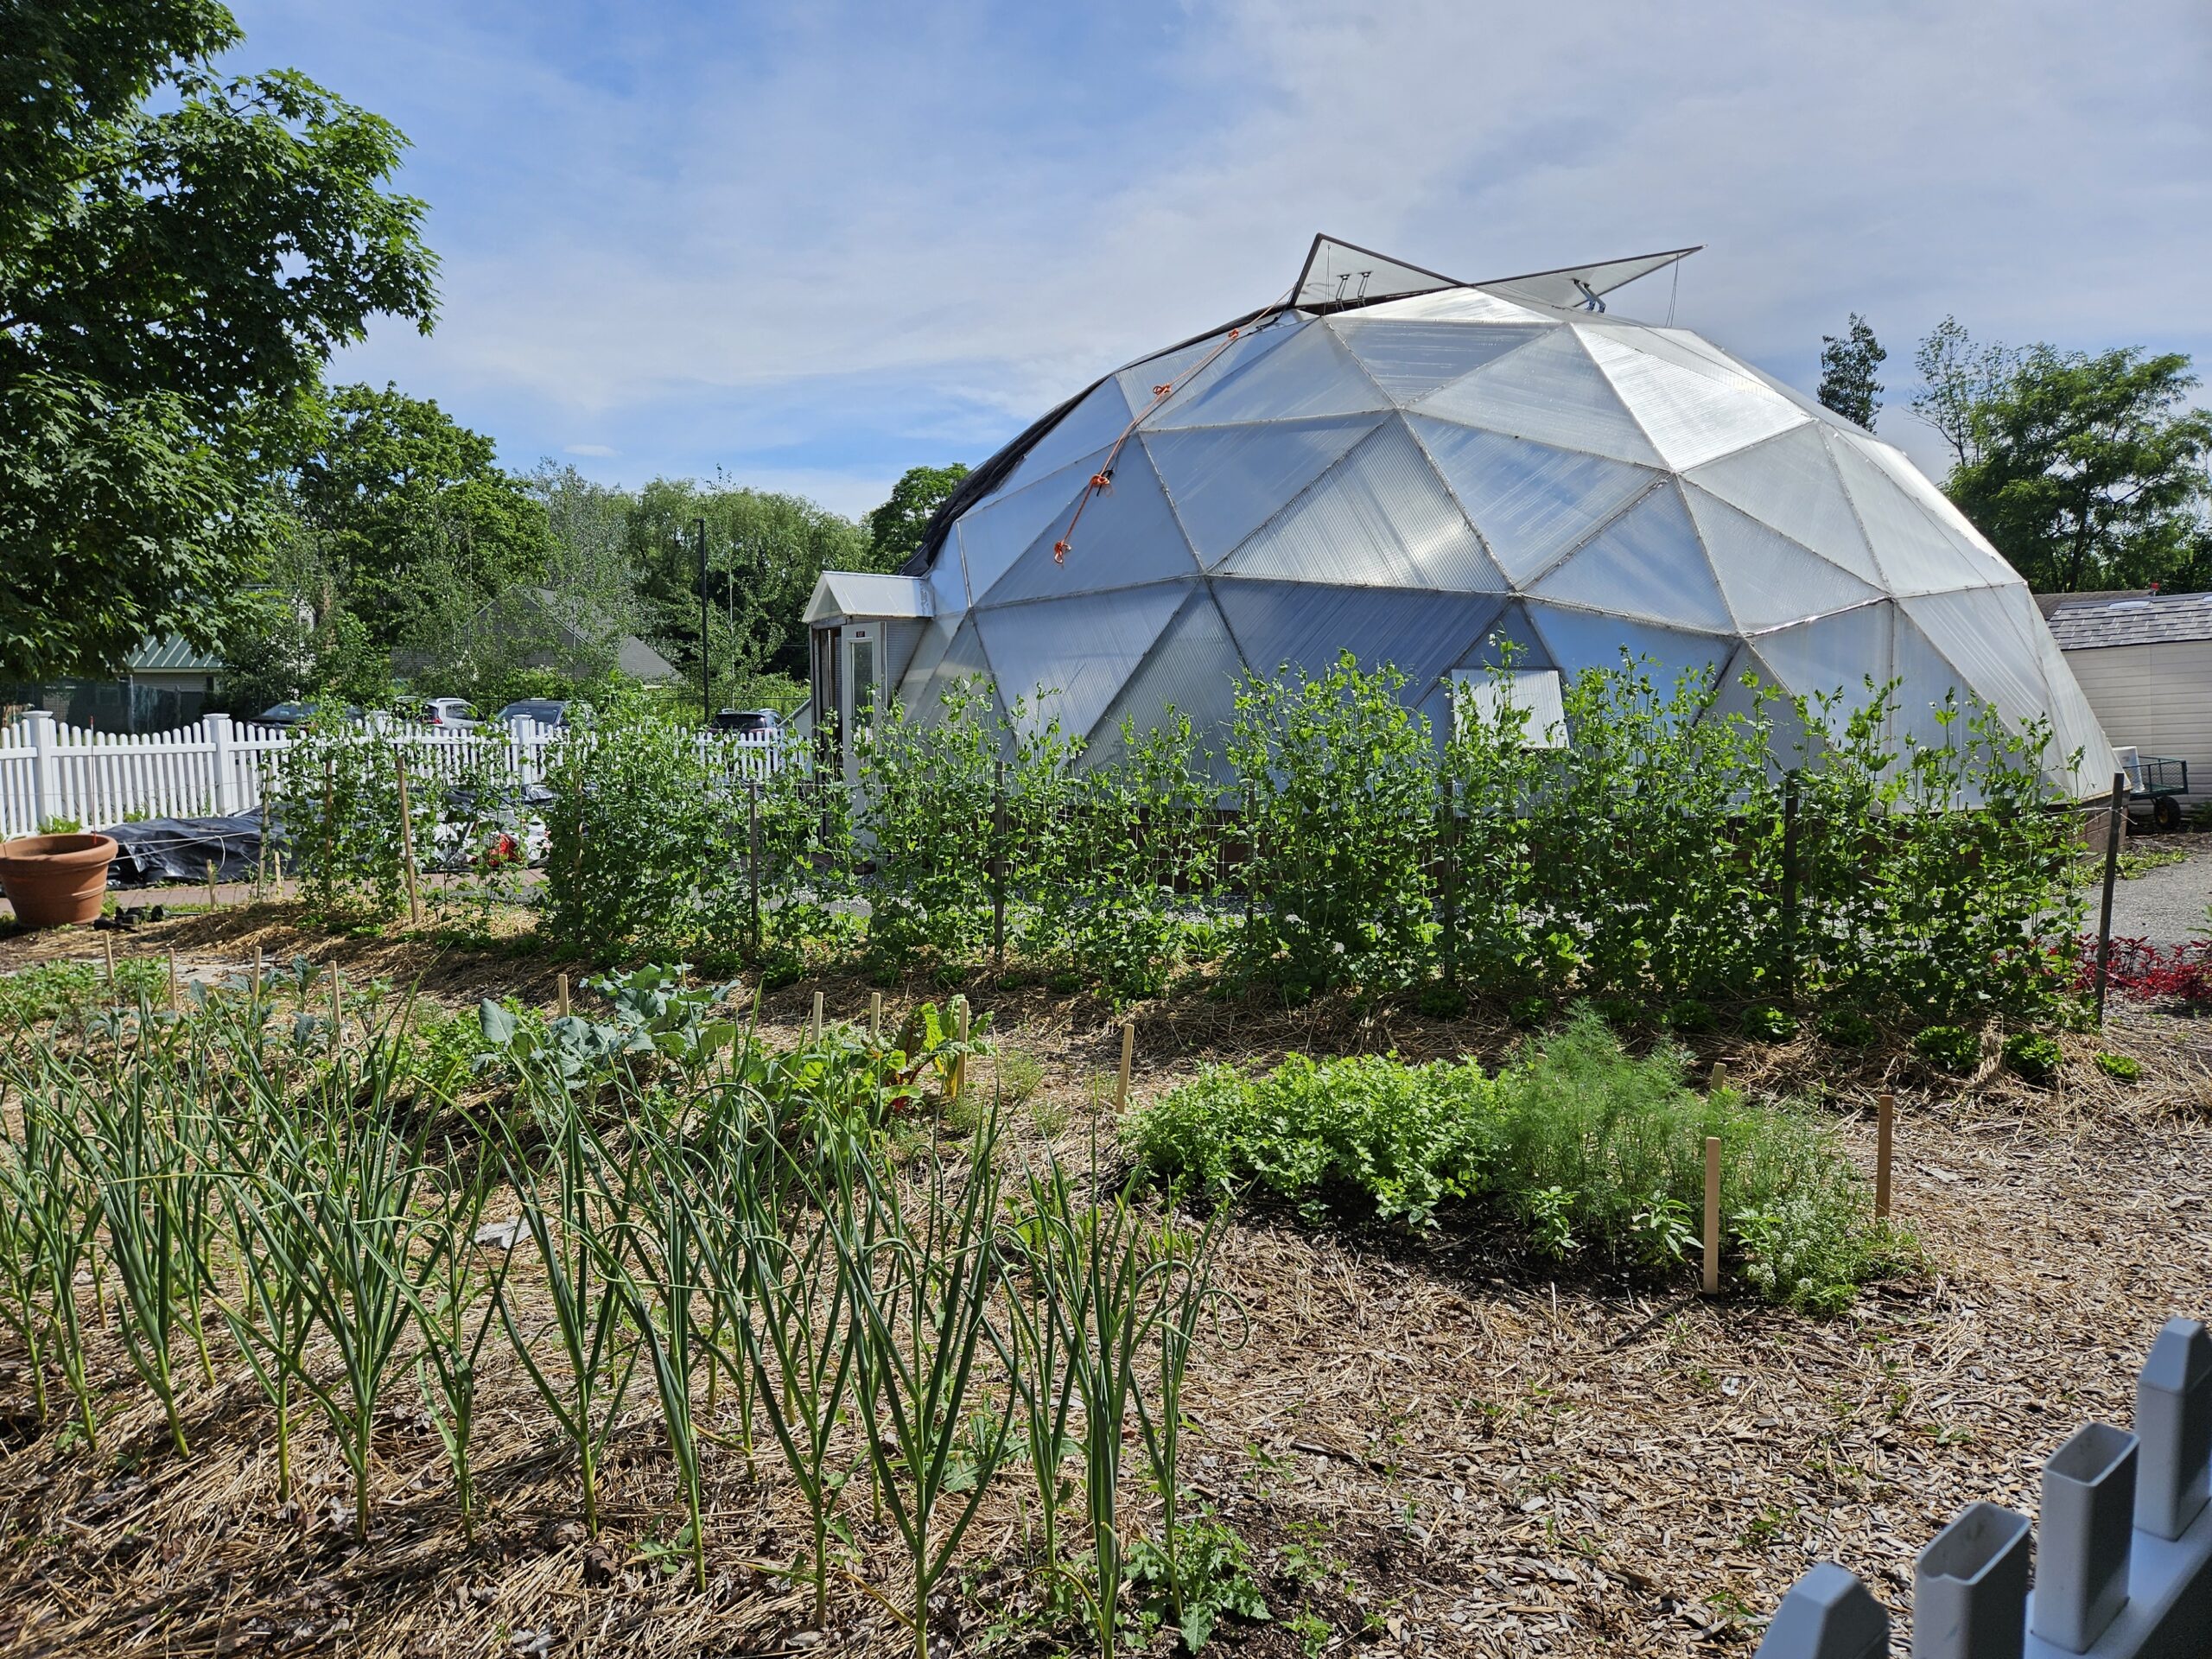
x=180 y=849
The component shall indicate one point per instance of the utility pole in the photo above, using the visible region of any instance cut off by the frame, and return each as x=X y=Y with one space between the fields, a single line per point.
x=706 y=666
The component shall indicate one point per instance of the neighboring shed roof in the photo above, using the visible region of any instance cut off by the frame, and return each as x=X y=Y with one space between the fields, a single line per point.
x=853 y=593
x=170 y=655
x=2158 y=619
x=2051 y=604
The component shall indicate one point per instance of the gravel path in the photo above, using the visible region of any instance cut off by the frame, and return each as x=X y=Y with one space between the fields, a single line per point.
x=2165 y=906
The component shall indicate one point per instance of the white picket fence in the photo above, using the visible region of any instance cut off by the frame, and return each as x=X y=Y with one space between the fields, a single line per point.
x=50 y=772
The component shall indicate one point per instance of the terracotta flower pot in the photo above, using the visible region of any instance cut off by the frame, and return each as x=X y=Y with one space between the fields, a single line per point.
x=55 y=880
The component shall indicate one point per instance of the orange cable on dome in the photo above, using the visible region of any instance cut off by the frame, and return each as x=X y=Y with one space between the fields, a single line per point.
x=1102 y=479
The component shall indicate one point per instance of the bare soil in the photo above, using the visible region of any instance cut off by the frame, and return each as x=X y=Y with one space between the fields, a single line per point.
x=1431 y=1446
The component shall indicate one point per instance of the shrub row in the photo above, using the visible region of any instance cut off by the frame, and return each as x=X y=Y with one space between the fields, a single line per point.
x=1662 y=855
x=1584 y=1151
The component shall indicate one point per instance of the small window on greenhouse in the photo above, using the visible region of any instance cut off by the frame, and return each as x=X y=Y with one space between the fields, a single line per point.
x=1535 y=690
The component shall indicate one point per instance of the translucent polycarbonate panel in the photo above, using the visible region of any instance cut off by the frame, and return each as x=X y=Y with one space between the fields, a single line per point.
x=1140 y=381
x=1411 y=359
x=1091 y=425
x=1976 y=555
x=1648 y=563
x=1692 y=414
x=1763 y=701
x=1226 y=481
x=948 y=577
x=1193 y=370
x=1380 y=517
x=1837 y=655
x=1309 y=374
x=995 y=533
x=1691 y=347
x=1192 y=669
x=2077 y=732
x=1305 y=625
x=1511 y=640
x=1925 y=676
x=1573 y=287
x=1125 y=535
x=1337 y=273
x=1065 y=659
x=1548 y=390
x=1768 y=579
x=1790 y=483
x=1455 y=305
x=1586 y=639
x=1916 y=554
x=928 y=652
x=1535 y=691
x=1530 y=502
x=1984 y=634
x=962 y=659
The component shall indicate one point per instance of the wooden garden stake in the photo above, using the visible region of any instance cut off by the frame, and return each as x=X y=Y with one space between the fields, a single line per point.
x=959 y=1080
x=561 y=996
x=1885 y=1107
x=1720 y=1079
x=337 y=1008
x=407 y=841
x=173 y=984
x=1128 y=1054
x=2115 y=816
x=814 y=1031
x=874 y=1018
x=211 y=884
x=107 y=947
x=1712 y=1215
x=255 y=1002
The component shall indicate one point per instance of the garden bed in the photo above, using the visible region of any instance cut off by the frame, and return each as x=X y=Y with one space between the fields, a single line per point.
x=1430 y=1443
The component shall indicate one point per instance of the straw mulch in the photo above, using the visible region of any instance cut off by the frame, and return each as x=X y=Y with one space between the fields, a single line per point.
x=1428 y=1446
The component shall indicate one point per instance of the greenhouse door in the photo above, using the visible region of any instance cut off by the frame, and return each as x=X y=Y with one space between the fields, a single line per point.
x=859 y=688
x=829 y=726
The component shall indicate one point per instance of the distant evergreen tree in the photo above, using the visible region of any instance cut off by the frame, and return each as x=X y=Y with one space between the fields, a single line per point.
x=1847 y=365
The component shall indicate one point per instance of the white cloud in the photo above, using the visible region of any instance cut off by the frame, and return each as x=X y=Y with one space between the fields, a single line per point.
x=599 y=450
x=808 y=240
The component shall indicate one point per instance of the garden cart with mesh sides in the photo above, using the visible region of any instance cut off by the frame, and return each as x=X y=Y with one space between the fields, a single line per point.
x=2156 y=784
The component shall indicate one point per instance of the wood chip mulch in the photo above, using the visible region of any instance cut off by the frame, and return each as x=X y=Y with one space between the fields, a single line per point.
x=1430 y=1447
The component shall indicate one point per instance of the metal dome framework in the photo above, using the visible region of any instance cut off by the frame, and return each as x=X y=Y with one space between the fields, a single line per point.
x=1427 y=472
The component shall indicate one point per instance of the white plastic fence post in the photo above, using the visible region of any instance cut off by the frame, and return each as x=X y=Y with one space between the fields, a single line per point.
x=2173 y=1420
x=217 y=728
x=1970 y=1587
x=1827 y=1614
x=2086 y=1537
x=45 y=787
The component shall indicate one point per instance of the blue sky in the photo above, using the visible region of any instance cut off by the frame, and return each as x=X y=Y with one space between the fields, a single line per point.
x=811 y=245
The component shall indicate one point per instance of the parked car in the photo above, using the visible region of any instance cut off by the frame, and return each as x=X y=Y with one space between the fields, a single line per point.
x=452 y=714
x=298 y=713
x=764 y=723
x=541 y=711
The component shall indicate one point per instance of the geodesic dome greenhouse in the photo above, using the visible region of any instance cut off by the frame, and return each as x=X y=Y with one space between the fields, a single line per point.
x=1430 y=473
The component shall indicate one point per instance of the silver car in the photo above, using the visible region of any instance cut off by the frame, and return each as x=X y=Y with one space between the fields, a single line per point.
x=448 y=714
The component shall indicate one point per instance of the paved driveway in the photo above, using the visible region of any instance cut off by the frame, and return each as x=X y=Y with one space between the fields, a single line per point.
x=2165 y=906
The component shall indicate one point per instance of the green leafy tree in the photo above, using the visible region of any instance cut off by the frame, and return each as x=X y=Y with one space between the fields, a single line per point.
x=764 y=552
x=894 y=529
x=180 y=254
x=411 y=514
x=1958 y=376
x=1848 y=361
x=2085 y=470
